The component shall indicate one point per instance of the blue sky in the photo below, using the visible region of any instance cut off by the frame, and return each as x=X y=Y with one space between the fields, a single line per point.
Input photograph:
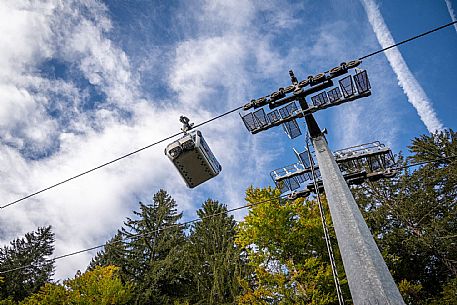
x=83 y=82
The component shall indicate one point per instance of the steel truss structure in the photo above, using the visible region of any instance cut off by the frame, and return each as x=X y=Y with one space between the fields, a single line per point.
x=370 y=161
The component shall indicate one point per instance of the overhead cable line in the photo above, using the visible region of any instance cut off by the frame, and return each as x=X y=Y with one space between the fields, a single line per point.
x=115 y=160
x=148 y=233
x=196 y=220
x=408 y=40
x=425 y=162
x=328 y=242
x=200 y=124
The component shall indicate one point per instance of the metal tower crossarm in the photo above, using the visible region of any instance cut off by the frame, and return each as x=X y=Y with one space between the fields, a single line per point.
x=350 y=88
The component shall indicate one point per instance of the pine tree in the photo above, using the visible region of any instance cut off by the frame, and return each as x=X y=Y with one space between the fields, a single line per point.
x=214 y=259
x=33 y=249
x=153 y=250
x=112 y=253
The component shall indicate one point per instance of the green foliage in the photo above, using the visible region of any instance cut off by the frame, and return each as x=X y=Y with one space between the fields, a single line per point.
x=49 y=294
x=153 y=252
x=449 y=294
x=101 y=286
x=413 y=218
x=214 y=261
x=277 y=255
x=165 y=266
x=112 y=253
x=412 y=293
x=33 y=249
x=8 y=301
x=286 y=252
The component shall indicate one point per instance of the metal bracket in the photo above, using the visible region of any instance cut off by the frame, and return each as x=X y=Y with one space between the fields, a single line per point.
x=186 y=126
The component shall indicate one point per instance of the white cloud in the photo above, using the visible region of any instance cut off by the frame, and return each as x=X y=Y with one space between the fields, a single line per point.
x=87 y=210
x=204 y=68
x=451 y=12
x=226 y=57
x=24 y=40
x=210 y=72
x=208 y=76
x=413 y=90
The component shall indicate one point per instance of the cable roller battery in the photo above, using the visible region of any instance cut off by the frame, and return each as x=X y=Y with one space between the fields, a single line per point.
x=302 y=93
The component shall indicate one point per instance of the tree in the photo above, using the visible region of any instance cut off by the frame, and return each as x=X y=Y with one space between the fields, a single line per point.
x=286 y=252
x=413 y=218
x=30 y=255
x=153 y=250
x=112 y=253
x=100 y=286
x=214 y=260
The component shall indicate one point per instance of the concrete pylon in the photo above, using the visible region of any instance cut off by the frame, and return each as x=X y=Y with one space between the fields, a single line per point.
x=370 y=281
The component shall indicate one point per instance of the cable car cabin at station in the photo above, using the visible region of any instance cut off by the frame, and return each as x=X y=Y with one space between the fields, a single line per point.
x=193 y=158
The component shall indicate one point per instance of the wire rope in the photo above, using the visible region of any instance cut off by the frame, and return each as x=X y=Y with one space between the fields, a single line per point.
x=115 y=160
x=198 y=125
x=328 y=242
x=193 y=221
x=148 y=233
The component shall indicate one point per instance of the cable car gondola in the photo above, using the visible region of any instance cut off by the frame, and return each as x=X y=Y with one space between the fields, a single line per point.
x=192 y=156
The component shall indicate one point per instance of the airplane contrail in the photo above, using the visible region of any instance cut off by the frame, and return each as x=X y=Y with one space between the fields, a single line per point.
x=451 y=12
x=411 y=87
